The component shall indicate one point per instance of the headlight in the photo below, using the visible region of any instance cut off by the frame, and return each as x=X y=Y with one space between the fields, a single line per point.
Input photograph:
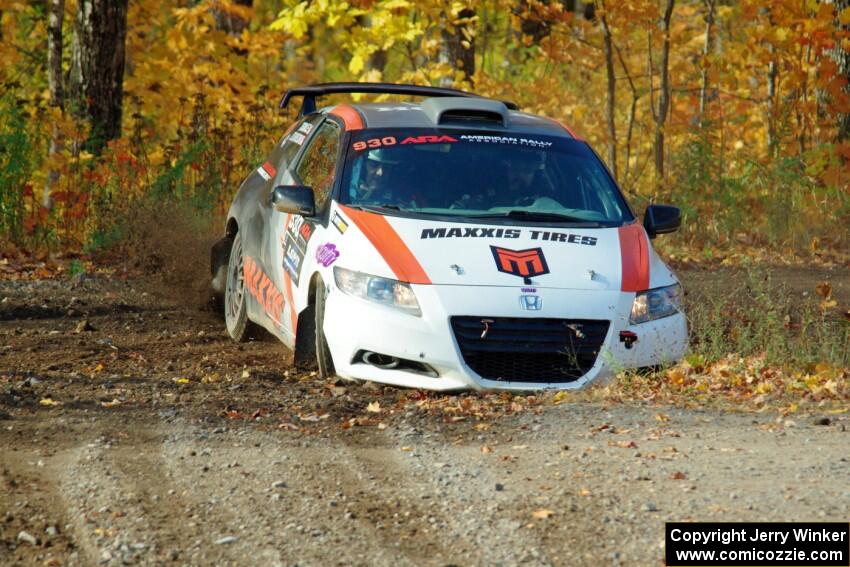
x=656 y=303
x=380 y=290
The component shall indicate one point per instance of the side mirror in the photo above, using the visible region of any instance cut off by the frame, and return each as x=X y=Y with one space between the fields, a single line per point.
x=661 y=219
x=295 y=199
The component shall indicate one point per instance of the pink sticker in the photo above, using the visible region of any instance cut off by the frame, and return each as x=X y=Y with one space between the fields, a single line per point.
x=327 y=254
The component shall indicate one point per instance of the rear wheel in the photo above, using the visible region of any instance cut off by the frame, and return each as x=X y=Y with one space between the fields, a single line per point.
x=323 y=354
x=235 y=298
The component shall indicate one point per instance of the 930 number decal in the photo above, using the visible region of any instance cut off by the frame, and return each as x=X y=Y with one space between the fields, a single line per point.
x=375 y=143
x=391 y=141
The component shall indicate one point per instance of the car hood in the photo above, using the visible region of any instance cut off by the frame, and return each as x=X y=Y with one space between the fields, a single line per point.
x=520 y=254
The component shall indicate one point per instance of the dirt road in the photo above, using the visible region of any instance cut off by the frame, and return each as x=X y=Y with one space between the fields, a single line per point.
x=132 y=431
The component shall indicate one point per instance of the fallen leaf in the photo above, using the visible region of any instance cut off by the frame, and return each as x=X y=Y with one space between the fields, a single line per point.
x=49 y=402
x=486 y=450
x=824 y=289
x=663 y=418
x=542 y=514
x=112 y=404
x=560 y=397
x=584 y=492
x=678 y=475
x=374 y=407
x=181 y=380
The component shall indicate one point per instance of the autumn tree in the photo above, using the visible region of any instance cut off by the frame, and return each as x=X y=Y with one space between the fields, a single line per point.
x=659 y=114
x=841 y=55
x=97 y=68
x=55 y=19
x=611 y=91
x=458 y=47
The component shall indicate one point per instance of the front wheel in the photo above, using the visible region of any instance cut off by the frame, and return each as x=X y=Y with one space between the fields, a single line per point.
x=323 y=354
x=235 y=298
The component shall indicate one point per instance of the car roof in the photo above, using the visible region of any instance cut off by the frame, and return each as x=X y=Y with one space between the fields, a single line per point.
x=444 y=108
x=414 y=115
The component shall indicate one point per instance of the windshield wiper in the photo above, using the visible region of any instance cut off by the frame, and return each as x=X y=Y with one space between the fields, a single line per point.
x=377 y=208
x=535 y=215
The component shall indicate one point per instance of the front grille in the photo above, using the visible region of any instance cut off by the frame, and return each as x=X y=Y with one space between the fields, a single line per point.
x=518 y=349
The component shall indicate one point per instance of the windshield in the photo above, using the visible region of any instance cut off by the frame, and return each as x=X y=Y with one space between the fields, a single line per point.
x=475 y=175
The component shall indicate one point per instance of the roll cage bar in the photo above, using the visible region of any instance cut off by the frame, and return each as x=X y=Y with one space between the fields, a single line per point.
x=312 y=92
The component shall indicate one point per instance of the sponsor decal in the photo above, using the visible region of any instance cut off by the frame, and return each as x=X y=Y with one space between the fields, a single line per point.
x=327 y=254
x=266 y=171
x=339 y=223
x=509 y=140
x=297 y=138
x=306 y=231
x=299 y=232
x=492 y=232
x=531 y=302
x=293 y=258
x=392 y=141
x=522 y=263
x=306 y=128
x=470 y=232
x=563 y=237
x=260 y=286
x=294 y=242
x=529 y=290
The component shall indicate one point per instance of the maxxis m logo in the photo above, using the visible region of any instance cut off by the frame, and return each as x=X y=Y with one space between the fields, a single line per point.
x=523 y=263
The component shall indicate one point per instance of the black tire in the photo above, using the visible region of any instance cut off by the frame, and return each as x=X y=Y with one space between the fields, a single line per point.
x=324 y=360
x=219 y=258
x=305 y=340
x=235 y=295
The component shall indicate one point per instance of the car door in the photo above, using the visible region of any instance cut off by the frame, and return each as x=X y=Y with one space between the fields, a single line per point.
x=291 y=243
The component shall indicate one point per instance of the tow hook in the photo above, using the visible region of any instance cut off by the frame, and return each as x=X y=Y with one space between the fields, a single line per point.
x=628 y=338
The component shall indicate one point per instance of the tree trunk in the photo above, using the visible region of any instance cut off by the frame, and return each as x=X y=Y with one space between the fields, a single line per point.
x=611 y=102
x=55 y=19
x=842 y=59
x=706 y=50
x=458 y=47
x=772 y=73
x=97 y=76
x=664 y=94
x=632 y=114
x=231 y=22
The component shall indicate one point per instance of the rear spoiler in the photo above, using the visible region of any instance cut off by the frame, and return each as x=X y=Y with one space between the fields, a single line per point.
x=312 y=92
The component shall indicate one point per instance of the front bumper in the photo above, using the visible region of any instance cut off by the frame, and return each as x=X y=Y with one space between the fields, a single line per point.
x=354 y=325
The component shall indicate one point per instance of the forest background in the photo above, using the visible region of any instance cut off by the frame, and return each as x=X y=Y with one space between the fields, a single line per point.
x=127 y=127
x=736 y=111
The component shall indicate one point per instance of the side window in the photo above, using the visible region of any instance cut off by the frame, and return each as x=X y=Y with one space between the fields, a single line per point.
x=318 y=163
x=293 y=142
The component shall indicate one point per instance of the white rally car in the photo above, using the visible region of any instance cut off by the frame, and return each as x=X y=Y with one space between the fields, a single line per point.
x=452 y=244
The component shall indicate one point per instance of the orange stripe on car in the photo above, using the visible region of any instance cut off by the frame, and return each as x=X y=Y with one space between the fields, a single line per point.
x=287 y=282
x=350 y=117
x=389 y=245
x=568 y=129
x=634 y=256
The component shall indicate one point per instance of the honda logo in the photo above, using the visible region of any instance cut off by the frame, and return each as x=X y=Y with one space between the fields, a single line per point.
x=531 y=302
x=522 y=263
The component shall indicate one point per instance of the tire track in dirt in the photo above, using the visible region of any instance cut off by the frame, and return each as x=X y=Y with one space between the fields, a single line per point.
x=284 y=496
x=104 y=511
x=457 y=491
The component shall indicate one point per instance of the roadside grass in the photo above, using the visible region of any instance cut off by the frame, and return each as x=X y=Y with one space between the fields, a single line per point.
x=754 y=345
